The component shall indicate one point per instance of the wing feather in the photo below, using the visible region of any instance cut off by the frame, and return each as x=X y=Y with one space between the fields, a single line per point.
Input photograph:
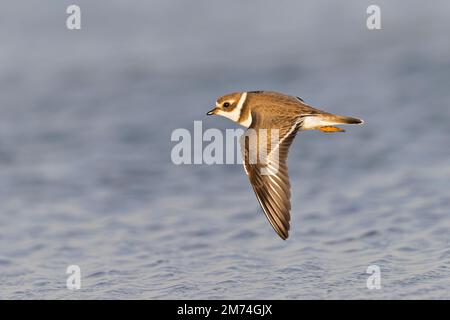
x=269 y=174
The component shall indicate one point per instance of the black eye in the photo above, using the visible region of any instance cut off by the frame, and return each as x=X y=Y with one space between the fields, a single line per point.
x=226 y=104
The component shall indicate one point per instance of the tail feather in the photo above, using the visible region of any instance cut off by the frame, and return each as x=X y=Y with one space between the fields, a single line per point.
x=344 y=120
x=318 y=121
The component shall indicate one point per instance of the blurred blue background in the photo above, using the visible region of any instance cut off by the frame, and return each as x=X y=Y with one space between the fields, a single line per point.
x=86 y=176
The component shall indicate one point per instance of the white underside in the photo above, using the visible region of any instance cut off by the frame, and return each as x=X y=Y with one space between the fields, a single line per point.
x=313 y=122
x=247 y=122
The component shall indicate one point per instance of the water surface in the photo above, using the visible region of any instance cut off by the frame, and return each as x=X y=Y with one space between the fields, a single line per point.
x=86 y=176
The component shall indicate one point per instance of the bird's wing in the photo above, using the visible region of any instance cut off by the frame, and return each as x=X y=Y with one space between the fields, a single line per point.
x=268 y=172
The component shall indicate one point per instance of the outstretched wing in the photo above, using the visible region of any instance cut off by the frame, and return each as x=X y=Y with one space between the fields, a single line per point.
x=268 y=172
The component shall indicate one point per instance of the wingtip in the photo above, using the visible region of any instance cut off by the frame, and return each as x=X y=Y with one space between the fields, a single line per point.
x=283 y=236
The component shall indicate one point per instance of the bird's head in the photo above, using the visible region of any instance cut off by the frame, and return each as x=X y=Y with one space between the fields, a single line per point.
x=229 y=106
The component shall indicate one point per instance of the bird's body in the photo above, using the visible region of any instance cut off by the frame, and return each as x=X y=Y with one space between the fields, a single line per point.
x=266 y=113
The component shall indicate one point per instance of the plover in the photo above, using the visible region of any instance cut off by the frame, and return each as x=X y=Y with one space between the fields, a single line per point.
x=264 y=111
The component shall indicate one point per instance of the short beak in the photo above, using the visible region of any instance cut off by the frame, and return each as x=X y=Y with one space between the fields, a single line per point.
x=211 y=112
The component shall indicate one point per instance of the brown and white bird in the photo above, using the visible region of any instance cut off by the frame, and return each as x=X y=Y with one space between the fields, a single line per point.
x=271 y=110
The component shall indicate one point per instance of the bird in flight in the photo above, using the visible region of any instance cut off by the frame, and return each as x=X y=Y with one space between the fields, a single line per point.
x=273 y=120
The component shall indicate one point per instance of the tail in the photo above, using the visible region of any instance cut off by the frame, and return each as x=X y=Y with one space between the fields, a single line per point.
x=326 y=122
x=343 y=119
